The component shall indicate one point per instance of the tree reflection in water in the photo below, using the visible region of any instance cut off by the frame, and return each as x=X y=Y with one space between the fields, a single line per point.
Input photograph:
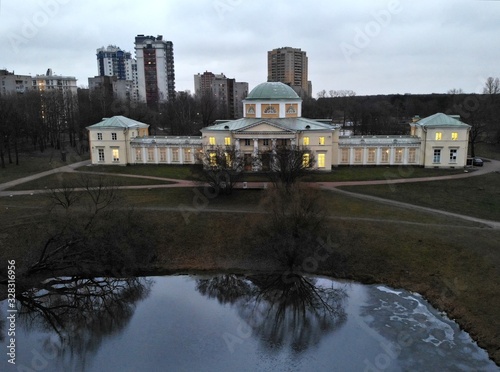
x=82 y=312
x=282 y=310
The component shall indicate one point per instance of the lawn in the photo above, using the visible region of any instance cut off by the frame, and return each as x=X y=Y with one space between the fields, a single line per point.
x=36 y=162
x=154 y=170
x=74 y=180
x=474 y=196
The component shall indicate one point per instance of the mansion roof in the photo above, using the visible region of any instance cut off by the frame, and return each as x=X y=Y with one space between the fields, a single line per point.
x=167 y=141
x=379 y=141
x=119 y=122
x=288 y=124
x=272 y=91
x=440 y=120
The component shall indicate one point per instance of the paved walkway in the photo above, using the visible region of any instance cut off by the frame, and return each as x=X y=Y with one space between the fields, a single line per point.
x=489 y=167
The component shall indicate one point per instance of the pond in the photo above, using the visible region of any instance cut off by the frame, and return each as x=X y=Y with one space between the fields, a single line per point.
x=276 y=322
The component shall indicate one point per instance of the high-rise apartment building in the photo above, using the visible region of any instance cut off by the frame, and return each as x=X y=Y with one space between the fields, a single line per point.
x=51 y=82
x=11 y=83
x=228 y=93
x=112 y=61
x=155 y=69
x=289 y=66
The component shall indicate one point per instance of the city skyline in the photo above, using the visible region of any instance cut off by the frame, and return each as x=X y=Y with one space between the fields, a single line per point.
x=376 y=47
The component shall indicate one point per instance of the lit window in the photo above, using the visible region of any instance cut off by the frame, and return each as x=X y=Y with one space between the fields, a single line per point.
x=138 y=154
x=385 y=155
x=399 y=156
x=187 y=155
x=321 y=141
x=113 y=136
x=101 y=154
x=358 y=155
x=99 y=136
x=211 y=141
x=116 y=155
x=321 y=160
x=175 y=154
x=439 y=136
x=163 y=154
x=371 y=155
x=227 y=141
x=345 y=156
x=151 y=154
x=437 y=156
x=306 y=141
x=454 y=136
x=305 y=160
x=213 y=159
x=412 y=155
x=453 y=155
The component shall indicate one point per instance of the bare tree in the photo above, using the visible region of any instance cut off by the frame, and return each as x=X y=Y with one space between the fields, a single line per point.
x=492 y=86
x=222 y=168
x=289 y=163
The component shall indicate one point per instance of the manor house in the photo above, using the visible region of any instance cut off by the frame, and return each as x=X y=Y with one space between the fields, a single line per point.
x=272 y=117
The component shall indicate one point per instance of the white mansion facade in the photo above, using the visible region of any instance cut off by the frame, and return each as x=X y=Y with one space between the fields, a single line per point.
x=272 y=117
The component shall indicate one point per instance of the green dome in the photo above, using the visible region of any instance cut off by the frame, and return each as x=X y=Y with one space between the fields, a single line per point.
x=272 y=91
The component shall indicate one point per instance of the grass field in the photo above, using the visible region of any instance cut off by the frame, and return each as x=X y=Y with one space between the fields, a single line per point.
x=474 y=196
x=76 y=179
x=36 y=162
x=154 y=170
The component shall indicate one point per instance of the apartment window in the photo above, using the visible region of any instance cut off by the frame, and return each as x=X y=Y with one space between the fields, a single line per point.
x=247 y=142
x=344 y=156
x=305 y=160
x=99 y=136
x=138 y=154
x=211 y=141
x=113 y=136
x=358 y=155
x=372 y=155
x=321 y=141
x=265 y=142
x=227 y=141
x=116 y=155
x=175 y=154
x=305 y=141
x=321 y=160
x=437 y=156
x=187 y=156
x=163 y=154
x=412 y=155
x=454 y=136
x=151 y=154
x=439 y=136
x=385 y=155
x=399 y=155
x=101 y=154
x=453 y=155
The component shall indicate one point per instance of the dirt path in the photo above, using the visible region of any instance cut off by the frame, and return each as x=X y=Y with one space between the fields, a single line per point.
x=489 y=166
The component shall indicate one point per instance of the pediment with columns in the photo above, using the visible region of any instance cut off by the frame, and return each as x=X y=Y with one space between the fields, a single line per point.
x=264 y=127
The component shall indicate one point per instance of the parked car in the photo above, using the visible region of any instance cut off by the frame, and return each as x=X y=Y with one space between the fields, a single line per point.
x=477 y=162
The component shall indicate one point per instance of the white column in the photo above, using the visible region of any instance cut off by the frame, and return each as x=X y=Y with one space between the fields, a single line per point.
x=255 y=146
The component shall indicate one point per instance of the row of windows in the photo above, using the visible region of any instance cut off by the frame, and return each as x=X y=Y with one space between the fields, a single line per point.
x=227 y=141
x=162 y=154
x=115 y=153
x=113 y=136
x=439 y=136
x=437 y=156
x=384 y=155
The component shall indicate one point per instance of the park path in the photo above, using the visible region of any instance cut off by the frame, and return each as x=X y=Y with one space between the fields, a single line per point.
x=489 y=167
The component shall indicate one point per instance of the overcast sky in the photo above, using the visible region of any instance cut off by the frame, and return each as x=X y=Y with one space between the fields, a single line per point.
x=368 y=46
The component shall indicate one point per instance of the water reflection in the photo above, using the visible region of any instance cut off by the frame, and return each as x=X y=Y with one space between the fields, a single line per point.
x=282 y=310
x=82 y=312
